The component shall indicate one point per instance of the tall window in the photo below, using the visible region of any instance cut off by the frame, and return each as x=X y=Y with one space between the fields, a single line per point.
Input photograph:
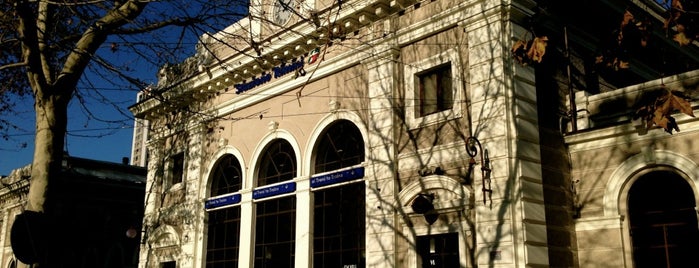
x=275 y=233
x=339 y=226
x=436 y=93
x=339 y=212
x=275 y=224
x=177 y=165
x=224 y=224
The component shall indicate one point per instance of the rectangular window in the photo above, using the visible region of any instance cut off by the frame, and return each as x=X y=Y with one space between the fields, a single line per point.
x=168 y=264
x=177 y=168
x=275 y=233
x=223 y=238
x=339 y=226
x=435 y=89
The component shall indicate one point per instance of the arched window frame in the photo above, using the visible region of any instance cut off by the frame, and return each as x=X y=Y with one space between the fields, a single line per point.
x=224 y=222
x=274 y=244
x=338 y=148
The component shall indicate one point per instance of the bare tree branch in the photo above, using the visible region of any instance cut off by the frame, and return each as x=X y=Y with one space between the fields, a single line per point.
x=14 y=65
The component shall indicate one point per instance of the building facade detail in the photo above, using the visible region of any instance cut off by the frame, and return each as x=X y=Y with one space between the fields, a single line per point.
x=346 y=140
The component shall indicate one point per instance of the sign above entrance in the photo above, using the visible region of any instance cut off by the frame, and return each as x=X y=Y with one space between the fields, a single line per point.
x=337 y=177
x=222 y=201
x=274 y=190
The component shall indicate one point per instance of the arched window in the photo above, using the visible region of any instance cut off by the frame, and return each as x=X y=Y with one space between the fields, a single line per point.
x=224 y=224
x=341 y=145
x=278 y=163
x=339 y=212
x=663 y=221
x=226 y=176
x=275 y=224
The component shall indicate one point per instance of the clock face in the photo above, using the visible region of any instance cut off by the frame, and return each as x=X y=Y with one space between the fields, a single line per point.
x=282 y=11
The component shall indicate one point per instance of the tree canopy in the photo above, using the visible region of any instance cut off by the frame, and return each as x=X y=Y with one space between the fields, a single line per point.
x=81 y=46
x=48 y=48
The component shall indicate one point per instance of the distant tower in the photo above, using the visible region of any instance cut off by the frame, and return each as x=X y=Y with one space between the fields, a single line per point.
x=139 y=153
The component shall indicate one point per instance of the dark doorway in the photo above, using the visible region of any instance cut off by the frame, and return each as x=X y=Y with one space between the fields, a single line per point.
x=663 y=221
x=440 y=250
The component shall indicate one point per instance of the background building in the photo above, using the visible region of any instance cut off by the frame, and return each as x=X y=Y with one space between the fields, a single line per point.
x=139 y=153
x=428 y=134
x=94 y=215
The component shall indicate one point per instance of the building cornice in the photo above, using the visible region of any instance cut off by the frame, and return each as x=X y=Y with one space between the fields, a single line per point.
x=301 y=38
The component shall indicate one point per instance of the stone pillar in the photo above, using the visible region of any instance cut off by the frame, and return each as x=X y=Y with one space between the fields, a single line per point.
x=304 y=223
x=247 y=229
x=152 y=199
x=380 y=173
x=511 y=225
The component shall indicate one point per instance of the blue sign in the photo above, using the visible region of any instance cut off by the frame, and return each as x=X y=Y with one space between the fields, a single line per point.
x=279 y=71
x=240 y=88
x=337 y=177
x=222 y=201
x=274 y=190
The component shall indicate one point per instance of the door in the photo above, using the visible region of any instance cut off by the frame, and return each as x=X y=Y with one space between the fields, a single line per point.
x=441 y=250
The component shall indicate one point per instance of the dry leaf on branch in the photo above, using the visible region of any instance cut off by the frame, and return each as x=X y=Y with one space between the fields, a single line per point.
x=530 y=52
x=682 y=21
x=629 y=39
x=658 y=111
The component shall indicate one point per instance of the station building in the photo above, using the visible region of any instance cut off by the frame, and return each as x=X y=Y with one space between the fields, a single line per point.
x=426 y=134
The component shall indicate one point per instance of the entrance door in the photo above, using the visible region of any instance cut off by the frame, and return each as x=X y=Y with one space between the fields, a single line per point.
x=440 y=250
x=663 y=221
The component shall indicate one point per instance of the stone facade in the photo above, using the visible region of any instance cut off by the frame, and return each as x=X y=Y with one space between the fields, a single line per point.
x=508 y=179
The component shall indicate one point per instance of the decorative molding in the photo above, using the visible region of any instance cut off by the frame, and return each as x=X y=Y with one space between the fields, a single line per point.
x=620 y=178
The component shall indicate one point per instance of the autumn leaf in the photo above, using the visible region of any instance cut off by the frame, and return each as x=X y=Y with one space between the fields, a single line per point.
x=529 y=52
x=681 y=21
x=519 y=51
x=681 y=39
x=629 y=39
x=538 y=49
x=658 y=111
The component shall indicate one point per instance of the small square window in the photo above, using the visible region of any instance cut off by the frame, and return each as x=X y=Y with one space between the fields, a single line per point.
x=435 y=90
x=177 y=162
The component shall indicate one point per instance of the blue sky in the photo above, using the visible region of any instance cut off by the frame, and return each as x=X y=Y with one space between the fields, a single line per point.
x=88 y=138
x=100 y=127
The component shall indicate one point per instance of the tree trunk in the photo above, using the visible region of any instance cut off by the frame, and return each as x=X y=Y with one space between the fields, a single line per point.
x=32 y=236
x=51 y=123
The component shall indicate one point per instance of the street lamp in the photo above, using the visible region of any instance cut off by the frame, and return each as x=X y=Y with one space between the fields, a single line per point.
x=473 y=147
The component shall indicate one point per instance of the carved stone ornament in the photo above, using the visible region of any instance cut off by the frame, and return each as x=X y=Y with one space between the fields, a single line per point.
x=222 y=142
x=272 y=126
x=334 y=105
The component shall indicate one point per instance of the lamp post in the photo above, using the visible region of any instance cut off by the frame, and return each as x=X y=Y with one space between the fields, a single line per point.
x=473 y=149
